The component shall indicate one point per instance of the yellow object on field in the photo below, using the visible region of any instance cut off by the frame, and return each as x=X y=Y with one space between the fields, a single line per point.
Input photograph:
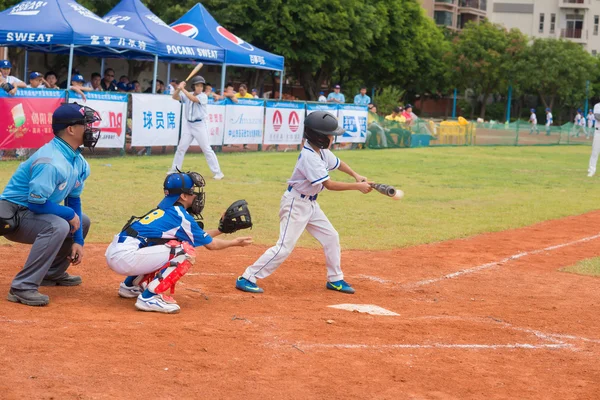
x=456 y=132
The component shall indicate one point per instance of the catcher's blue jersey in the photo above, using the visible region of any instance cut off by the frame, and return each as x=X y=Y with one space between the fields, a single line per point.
x=171 y=223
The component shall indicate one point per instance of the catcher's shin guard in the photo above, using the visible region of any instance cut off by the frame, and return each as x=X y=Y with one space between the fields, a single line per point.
x=183 y=256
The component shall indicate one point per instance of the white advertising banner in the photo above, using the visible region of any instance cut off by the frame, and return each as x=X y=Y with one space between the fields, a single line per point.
x=155 y=120
x=216 y=122
x=331 y=108
x=244 y=121
x=354 y=121
x=284 y=122
x=112 y=108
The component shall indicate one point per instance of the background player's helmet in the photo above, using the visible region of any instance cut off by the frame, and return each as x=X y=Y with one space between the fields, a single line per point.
x=532 y=110
x=197 y=80
x=70 y=114
x=184 y=182
x=319 y=126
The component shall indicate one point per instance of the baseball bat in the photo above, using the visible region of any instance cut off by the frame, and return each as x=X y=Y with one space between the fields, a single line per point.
x=194 y=71
x=387 y=190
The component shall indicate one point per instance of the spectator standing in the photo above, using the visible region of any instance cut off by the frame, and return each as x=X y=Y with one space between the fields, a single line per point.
x=322 y=97
x=108 y=83
x=255 y=94
x=533 y=122
x=36 y=81
x=243 y=93
x=5 y=76
x=51 y=80
x=548 y=121
x=362 y=99
x=95 y=82
x=336 y=96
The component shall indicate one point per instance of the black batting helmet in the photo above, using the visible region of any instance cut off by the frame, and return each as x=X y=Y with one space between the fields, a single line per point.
x=318 y=126
x=197 y=80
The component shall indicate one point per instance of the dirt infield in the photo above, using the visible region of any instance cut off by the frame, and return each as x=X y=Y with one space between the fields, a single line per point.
x=484 y=317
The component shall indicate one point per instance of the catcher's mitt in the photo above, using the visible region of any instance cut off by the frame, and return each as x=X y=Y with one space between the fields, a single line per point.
x=236 y=217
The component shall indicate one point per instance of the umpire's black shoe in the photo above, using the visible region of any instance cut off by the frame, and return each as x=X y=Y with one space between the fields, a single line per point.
x=64 y=280
x=30 y=297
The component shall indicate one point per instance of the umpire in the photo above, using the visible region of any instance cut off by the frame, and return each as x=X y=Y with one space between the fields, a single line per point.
x=31 y=210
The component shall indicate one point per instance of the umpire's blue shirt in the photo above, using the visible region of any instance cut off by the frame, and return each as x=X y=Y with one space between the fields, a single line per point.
x=52 y=173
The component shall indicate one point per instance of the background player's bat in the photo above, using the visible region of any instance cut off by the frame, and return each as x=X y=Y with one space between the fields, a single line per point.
x=390 y=191
x=194 y=71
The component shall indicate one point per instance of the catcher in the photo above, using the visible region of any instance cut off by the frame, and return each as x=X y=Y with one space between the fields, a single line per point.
x=157 y=249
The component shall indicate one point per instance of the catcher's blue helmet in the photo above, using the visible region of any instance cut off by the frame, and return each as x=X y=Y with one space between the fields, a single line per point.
x=190 y=183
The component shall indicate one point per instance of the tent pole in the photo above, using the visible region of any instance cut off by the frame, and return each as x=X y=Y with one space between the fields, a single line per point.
x=155 y=74
x=149 y=149
x=168 y=82
x=223 y=74
x=26 y=65
x=102 y=67
x=281 y=83
x=69 y=72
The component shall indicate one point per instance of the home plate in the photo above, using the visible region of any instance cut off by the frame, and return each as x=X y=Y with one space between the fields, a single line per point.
x=365 y=308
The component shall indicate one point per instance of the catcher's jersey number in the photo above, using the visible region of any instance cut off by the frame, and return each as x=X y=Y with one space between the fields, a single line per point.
x=153 y=216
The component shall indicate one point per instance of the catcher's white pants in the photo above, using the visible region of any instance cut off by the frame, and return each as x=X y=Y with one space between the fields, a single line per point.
x=295 y=215
x=595 y=152
x=128 y=259
x=198 y=131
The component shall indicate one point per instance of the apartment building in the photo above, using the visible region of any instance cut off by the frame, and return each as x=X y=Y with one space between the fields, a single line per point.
x=454 y=14
x=575 y=20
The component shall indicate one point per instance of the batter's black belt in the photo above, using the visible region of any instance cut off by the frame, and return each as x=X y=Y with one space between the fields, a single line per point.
x=303 y=196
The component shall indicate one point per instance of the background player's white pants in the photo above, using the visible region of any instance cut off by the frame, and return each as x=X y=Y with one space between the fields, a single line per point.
x=198 y=131
x=295 y=215
x=128 y=259
x=595 y=152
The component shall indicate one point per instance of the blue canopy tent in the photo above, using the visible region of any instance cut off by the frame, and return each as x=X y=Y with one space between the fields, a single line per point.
x=198 y=24
x=170 y=45
x=63 y=26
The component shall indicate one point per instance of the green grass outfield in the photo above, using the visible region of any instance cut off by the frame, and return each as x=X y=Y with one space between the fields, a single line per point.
x=450 y=192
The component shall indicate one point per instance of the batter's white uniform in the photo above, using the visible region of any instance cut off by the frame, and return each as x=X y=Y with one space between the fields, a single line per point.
x=194 y=127
x=298 y=211
x=595 y=144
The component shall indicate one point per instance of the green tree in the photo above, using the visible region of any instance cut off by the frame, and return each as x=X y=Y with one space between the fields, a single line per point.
x=484 y=57
x=557 y=70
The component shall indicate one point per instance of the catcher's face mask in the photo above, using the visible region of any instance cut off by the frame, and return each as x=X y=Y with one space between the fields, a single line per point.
x=198 y=191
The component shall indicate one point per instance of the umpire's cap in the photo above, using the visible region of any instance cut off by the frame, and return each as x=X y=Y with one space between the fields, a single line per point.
x=67 y=115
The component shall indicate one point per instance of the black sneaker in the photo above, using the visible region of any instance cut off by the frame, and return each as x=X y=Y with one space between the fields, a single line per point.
x=30 y=297
x=65 y=280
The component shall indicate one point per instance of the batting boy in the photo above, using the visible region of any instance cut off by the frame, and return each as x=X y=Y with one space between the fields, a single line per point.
x=194 y=126
x=533 y=122
x=300 y=211
x=159 y=247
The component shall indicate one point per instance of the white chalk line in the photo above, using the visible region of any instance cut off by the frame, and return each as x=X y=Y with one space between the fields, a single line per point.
x=478 y=268
x=210 y=274
x=468 y=346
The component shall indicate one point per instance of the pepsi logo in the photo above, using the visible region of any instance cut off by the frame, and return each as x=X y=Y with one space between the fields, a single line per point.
x=234 y=39
x=277 y=120
x=188 y=30
x=294 y=121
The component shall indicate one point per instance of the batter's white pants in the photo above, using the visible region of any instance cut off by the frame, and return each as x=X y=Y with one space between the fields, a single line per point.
x=296 y=215
x=128 y=259
x=595 y=152
x=189 y=132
